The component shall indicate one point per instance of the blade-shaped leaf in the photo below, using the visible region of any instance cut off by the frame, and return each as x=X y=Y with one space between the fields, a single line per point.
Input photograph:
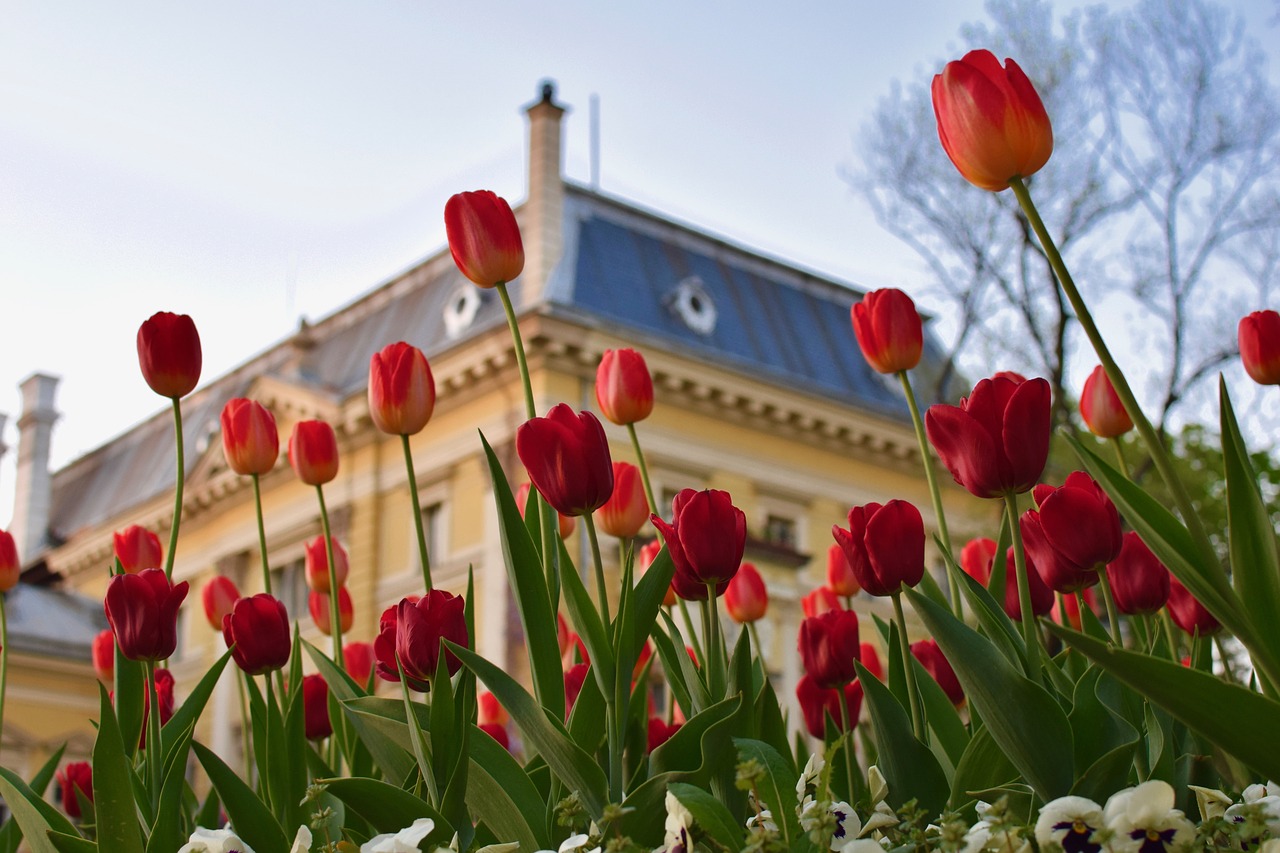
x=116 y=817
x=710 y=814
x=192 y=707
x=777 y=787
x=386 y=807
x=251 y=819
x=35 y=817
x=909 y=766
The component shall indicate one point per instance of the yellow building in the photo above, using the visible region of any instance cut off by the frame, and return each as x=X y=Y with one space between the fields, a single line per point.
x=759 y=387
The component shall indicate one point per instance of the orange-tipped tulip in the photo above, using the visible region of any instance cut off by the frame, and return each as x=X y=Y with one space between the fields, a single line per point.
x=316 y=564
x=566 y=523
x=991 y=121
x=313 y=452
x=840 y=577
x=104 y=656
x=1100 y=407
x=250 y=439
x=747 y=598
x=1259 y=338
x=888 y=330
x=219 y=595
x=138 y=548
x=624 y=388
x=627 y=509
x=318 y=604
x=484 y=238
x=169 y=354
x=402 y=392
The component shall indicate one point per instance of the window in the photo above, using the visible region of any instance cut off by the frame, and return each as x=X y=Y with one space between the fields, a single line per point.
x=780 y=530
x=664 y=502
x=432 y=530
x=289 y=584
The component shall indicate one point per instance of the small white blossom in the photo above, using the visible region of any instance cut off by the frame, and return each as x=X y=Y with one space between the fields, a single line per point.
x=762 y=819
x=214 y=841
x=1267 y=798
x=301 y=841
x=1143 y=818
x=807 y=784
x=404 y=841
x=848 y=825
x=1212 y=802
x=876 y=782
x=679 y=822
x=1070 y=822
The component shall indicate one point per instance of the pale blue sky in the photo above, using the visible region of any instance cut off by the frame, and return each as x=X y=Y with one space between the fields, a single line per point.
x=249 y=163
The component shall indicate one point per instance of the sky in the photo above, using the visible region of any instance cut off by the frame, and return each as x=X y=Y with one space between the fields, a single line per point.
x=254 y=163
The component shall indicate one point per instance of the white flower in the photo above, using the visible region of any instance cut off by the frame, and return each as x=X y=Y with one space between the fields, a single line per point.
x=404 y=841
x=876 y=782
x=679 y=821
x=1211 y=802
x=1143 y=818
x=1070 y=822
x=1265 y=797
x=807 y=784
x=762 y=819
x=301 y=841
x=214 y=841
x=848 y=825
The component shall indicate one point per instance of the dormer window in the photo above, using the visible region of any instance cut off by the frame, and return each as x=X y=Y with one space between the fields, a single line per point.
x=691 y=302
x=460 y=310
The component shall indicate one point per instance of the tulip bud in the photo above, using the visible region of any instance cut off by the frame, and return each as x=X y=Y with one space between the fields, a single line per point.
x=410 y=633
x=936 y=664
x=490 y=710
x=991 y=121
x=1259 y=339
x=840 y=577
x=567 y=457
x=1075 y=532
x=888 y=330
x=1139 y=581
x=315 y=707
x=164 y=698
x=820 y=601
x=871 y=661
x=10 y=565
x=746 y=597
x=660 y=732
x=318 y=605
x=313 y=452
x=884 y=545
x=1041 y=595
x=817 y=702
x=257 y=631
x=402 y=392
x=169 y=354
x=624 y=389
x=498 y=733
x=316 y=564
x=706 y=537
x=1100 y=406
x=73 y=777
x=976 y=558
x=574 y=677
x=358 y=658
x=645 y=557
x=218 y=596
x=104 y=656
x=829 y=646
x=138 y=548
x=142 y=610
x=627 y=509
x=250 y=440
x=566 y=523
x=1188 y=613
x=1066 y=610
x=484 y=238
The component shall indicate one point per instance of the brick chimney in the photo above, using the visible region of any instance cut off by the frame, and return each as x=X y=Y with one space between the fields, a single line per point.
x=542 y=225
x=33 y=490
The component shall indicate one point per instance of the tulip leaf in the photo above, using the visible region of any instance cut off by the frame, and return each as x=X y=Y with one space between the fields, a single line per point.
x=533 y=601
x=129 y=686
x=10 y=833
x=1028 y=724
x=711 y=815
x=1110 y=773
x=71 y=843
x=167 y=832
x=386 y=807
x=641 y=613
x=116 y=817
x=909 y=766
x=192 y=707
x=776 y=787
x=994 y=622
x=587 y=622
x=682 y=674
x=949 y=731
x=1228 y=715
x=252 y=820
x=574 y=766
x=586 y=720
x=35 y=817
x=982 y=767
x=705 y=735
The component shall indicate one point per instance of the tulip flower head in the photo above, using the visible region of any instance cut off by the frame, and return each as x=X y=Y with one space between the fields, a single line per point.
x=72 y=778
x=410 y=633
x=164 y=698
x=104 y=656
x=991 y=121
x=490 y=710
x=820 y=600
x=169 y=354
x=1139 y=581
x=10 y=565
x=567 y=523
x=138 y=548
x=1075 y=532
x=402 y=392
x=997 y=440
x=1259 y=339
x=1188 y=613
x=627 y=509
x=218 y=595
x=258 y=632
x=1041 y=595
x=884 y=546
x=313 y=452
x=936 y=664
x=706 y=536
x=315 y=707
x=358 y=658
x=484 y=238
x=746 y=598
x=316 y=564
x=318 y=606
x=574 y=677
x=498 y=733
x=659 y=732
x=567 y=457
x=644 y=558
x=829 y=647
x=976 y=558
x=1100 y=407
x=888 y=330
x=819 y=703
x=871 y=660
x=840 y=577
x=250 y=439
x=624 y=388
x=142 y=610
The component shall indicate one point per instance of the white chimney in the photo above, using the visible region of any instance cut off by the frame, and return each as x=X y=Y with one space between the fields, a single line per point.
x=542 y=226
x=33 y=489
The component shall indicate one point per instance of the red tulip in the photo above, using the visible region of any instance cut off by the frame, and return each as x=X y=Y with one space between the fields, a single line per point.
x=645 y=557
x=315 y=707
x=706 y=537
x=1075 y=532
x=689 y=588
x=567 y=457
x=250 y=439
x=498 y=733
x=840 y=576
x=566 y=522
x=627 y=509
x=574 y=677
x=218 y=596
x=820 y=600
x=318 y=605
x=977 y=557
x=936 y=664
x=258 y=632
x=884 y=545
x=888 y=330
x=76 y=776
x=313 y=452
x=358 y=659
x=871 y=661
x=1100 y=406
x=1139 y=581
x=829 y=646
x=411 y=632
x=1259 y=338
x=10 y=565
x=564 y=637
x=490 y=710
x=316 y=564
x=1066 y=610
x=624 y=389
x=1041 y=595
x=997 y=440
x=1188 y=613
x=746 y=597
x=483 y=237
x=142 y=610
x=816 y=702
x=660 y=732
x=164 y=697
x=402 y=392
x=138 y=548
x=990 y=120
x=169 y=354
x=104 y=656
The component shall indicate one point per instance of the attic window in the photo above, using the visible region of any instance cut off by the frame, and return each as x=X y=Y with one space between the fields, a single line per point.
x=693 y=305
x=460 y=310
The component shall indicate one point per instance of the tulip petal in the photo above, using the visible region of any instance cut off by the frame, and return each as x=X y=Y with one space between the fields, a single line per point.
x=966 y=448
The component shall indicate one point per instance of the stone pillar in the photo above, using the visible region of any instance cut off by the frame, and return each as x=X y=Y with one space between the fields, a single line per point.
x=33 y=490
x=542 y=219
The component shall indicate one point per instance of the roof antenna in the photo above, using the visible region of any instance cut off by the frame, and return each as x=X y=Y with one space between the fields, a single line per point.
x=593 y=110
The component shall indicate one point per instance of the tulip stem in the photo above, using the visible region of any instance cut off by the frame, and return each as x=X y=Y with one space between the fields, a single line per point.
x=913 y=692
x=155 y=750
x=644 y=469
x=177 y=492
x=601 y=591
x=688 y=624
x=1113 y=613
x=847 y=729
x=246 y=724
x=262 y=535
x=1170 y=635
x=711 y=663
x=4 y=657
x=1118 y=445
x=755 y=641
x=335 y=613
x=953 y=577
x=530 y=410
x=1030 y=636
x=423 y=559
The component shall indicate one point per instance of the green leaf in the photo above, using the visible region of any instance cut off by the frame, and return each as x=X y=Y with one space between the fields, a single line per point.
x=34 y=816
x=983 y=766
x=703 y=736
x=502 y=796
x=1110 y=773
x=10 y=834
x=641 y=615
x=710 y=814
x=129 y=686
x=997 y=625
x=529 y=587
x=950 y=735
x=71 y=843
x=168 y=833
x=386 y=807
x=682 y=676
x=586 y=620
x=251 y=819
x=1027 y=723
x=116 y=818
x=909 y=766
x=1232 y=717
x=777 y=787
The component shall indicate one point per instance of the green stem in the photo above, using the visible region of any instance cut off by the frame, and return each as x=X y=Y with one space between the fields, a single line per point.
x=1118 y=445
x=1113 y=613
x=1227 y=669
x=262 y=536
x=1171 y=635
x=755 y=641
x=335 y=613
x=913 y=693
x=615 y=749
x=246 y=724
x=155 y=750
x=601 y=591
x=953 y=578
x=693 y=635
x=276 y=807
x=848 y=727
x=1030 y=636
x=423 y=559
x=177 y=492
x=530 y=411
x=644 y=469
